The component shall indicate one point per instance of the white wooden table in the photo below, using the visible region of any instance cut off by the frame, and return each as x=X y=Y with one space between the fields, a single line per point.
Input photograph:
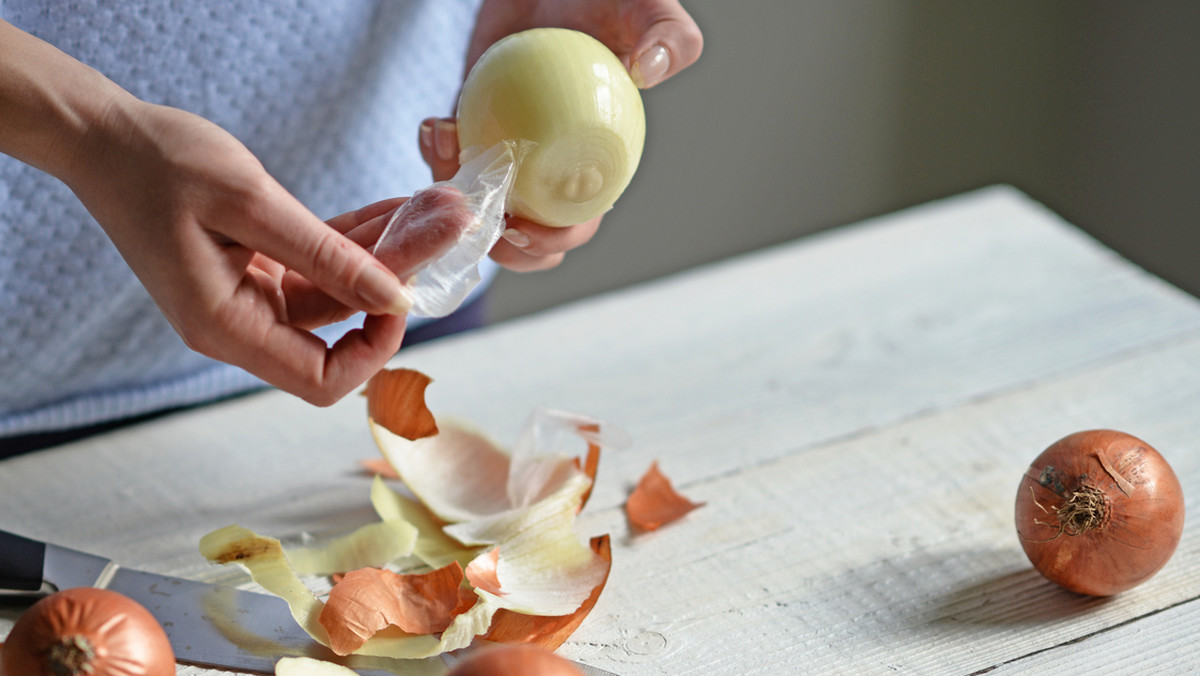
x=856 y=409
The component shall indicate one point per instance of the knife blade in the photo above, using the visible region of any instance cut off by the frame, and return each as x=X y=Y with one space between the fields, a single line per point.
x=207 y=624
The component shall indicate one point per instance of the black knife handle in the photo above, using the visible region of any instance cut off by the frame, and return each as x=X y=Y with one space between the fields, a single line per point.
x=21 y=561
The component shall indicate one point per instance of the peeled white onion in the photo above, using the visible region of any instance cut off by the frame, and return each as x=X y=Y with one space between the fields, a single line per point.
x=571 y=104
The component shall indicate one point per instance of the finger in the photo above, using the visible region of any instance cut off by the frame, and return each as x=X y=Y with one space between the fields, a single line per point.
x=269 y=288
x=669 y=41
x=266 y=265
x=367 y=233
x=520 y=262
x=297 y=361
x=350 y=220
x=361 y=353
x=438 y=138
x=282 y=229
x=541 y=240
x=308 y=307
x=526 y=246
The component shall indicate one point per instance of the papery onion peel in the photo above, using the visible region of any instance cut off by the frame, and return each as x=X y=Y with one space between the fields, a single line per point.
x=549 y=632
x=367 y=600
x=396 y=400
x=482 y=572
x=308 y=666
x=654 y=502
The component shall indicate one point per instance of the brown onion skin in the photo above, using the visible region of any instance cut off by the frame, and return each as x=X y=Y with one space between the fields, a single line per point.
x=1136 y=534
x=124 y=637
x=515 y=660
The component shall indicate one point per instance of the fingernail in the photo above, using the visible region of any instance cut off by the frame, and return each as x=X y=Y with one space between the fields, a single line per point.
x=650 y=67
x=516 y=238
x=381 y=291
x=446 y=139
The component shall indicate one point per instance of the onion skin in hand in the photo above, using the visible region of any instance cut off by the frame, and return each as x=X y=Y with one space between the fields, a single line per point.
x=87 y=632
x=571 y=98
x=423 y=229
x=1099 y=512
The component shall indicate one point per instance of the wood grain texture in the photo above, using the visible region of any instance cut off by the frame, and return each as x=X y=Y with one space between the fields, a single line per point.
x=894 y=551
x=855 y=408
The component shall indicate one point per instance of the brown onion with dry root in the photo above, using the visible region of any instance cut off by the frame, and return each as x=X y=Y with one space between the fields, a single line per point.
x=1099 y=512
x=515 y=660
x=87 y=632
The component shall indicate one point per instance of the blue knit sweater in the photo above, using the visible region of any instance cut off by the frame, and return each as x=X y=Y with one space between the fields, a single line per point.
x=328 y=95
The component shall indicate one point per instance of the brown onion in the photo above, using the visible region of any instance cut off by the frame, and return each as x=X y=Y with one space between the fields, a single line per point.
x=87 y=632
x=1099 y=512
x=515 y=660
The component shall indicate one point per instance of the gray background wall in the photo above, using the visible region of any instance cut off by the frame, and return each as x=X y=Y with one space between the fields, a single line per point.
x=806 y=115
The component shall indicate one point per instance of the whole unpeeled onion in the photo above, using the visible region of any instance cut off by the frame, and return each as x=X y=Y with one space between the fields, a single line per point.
x=87 y=632
x=1099 y=512
x=515 y=660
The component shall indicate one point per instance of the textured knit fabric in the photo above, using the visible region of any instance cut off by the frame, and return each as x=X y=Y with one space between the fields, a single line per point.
x=328 y=95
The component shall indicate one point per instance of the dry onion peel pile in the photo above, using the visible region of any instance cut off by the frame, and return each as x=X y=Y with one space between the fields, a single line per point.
x=523 y=504
x=489 y=548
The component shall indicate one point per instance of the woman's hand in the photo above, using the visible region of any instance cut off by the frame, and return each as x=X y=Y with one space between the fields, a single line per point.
x=239 y=267
x=655 y=39
x=526 y=246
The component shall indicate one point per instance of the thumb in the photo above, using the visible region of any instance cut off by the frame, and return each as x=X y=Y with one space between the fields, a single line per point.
x=288 y=233
x=438 y=138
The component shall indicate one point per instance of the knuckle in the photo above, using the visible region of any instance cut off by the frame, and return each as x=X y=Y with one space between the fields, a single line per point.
x=196 y=338
x=320 y=399
x=331 y=258
x=251 y=193
x=552 y=261
x=322 y=394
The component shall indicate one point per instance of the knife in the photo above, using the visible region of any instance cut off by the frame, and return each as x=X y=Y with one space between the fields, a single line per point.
x=208 y=625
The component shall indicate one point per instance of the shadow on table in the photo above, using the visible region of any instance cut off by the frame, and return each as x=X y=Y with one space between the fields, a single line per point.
x=1016 y=598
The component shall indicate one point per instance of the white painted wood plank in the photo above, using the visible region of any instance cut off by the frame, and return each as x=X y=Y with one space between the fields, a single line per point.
x=855 y=330
x=724 y=374
x=895 y=551
x=1162 y=643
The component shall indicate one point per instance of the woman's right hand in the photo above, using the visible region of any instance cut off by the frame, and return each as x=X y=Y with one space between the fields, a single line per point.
x=239 y=267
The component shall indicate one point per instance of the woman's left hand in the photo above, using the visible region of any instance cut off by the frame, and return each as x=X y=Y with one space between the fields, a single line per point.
x=655 y=39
